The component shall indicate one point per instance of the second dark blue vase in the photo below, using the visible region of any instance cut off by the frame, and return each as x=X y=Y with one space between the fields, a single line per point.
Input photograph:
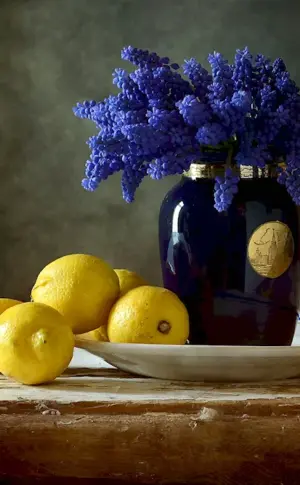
x=235 y=271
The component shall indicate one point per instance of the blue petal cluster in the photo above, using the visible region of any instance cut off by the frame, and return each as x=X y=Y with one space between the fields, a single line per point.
x=291 y=179
x=242 y=72
x=193 y=111
x=162 y=120
x=199 y=77
x=225 y=188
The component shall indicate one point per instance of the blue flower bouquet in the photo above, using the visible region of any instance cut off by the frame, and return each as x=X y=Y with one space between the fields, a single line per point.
x=164 y=119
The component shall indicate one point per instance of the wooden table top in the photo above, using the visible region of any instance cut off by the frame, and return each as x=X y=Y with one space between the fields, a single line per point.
x=103 y=423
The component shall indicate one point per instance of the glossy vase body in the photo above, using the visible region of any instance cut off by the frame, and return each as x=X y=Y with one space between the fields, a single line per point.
x=206 y=260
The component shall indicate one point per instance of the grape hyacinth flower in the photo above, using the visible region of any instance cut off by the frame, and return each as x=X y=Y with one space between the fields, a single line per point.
x=291 y=179
x=225 y=189
x=84 y=110
x=143 y=58
x=242 y=72
x=198 y=76
x=193 y=111
x=222 y=82
x=211 y=134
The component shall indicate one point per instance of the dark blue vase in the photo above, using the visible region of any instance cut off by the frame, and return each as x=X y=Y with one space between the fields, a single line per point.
x=235 y=271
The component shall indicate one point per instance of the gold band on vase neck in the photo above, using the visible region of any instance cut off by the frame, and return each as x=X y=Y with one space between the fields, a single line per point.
x=211 y=171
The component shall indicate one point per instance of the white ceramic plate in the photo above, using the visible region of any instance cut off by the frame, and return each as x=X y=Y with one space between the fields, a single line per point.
x=200 y=363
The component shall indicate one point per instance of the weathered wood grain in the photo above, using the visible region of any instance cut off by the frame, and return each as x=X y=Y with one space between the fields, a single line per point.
x=123 y=429
x=113 y=386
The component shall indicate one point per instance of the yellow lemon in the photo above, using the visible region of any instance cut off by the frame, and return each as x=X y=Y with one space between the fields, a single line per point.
x=36 y=343
x=129 y=280
x=81 y=287
x=148 y=315
x=100 y=334
x=6 y=303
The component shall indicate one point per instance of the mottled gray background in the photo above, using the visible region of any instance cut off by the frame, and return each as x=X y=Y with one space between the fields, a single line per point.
x=56 y=52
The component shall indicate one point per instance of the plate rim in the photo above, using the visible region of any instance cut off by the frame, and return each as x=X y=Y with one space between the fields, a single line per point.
x=167 y=349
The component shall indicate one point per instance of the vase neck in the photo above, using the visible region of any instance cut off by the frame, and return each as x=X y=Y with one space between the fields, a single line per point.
x=211 y=171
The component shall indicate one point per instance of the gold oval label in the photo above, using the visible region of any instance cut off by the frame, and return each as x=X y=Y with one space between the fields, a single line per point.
x=271 y=249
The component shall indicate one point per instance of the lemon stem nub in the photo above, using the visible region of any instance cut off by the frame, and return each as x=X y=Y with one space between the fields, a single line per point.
x=164 y=327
